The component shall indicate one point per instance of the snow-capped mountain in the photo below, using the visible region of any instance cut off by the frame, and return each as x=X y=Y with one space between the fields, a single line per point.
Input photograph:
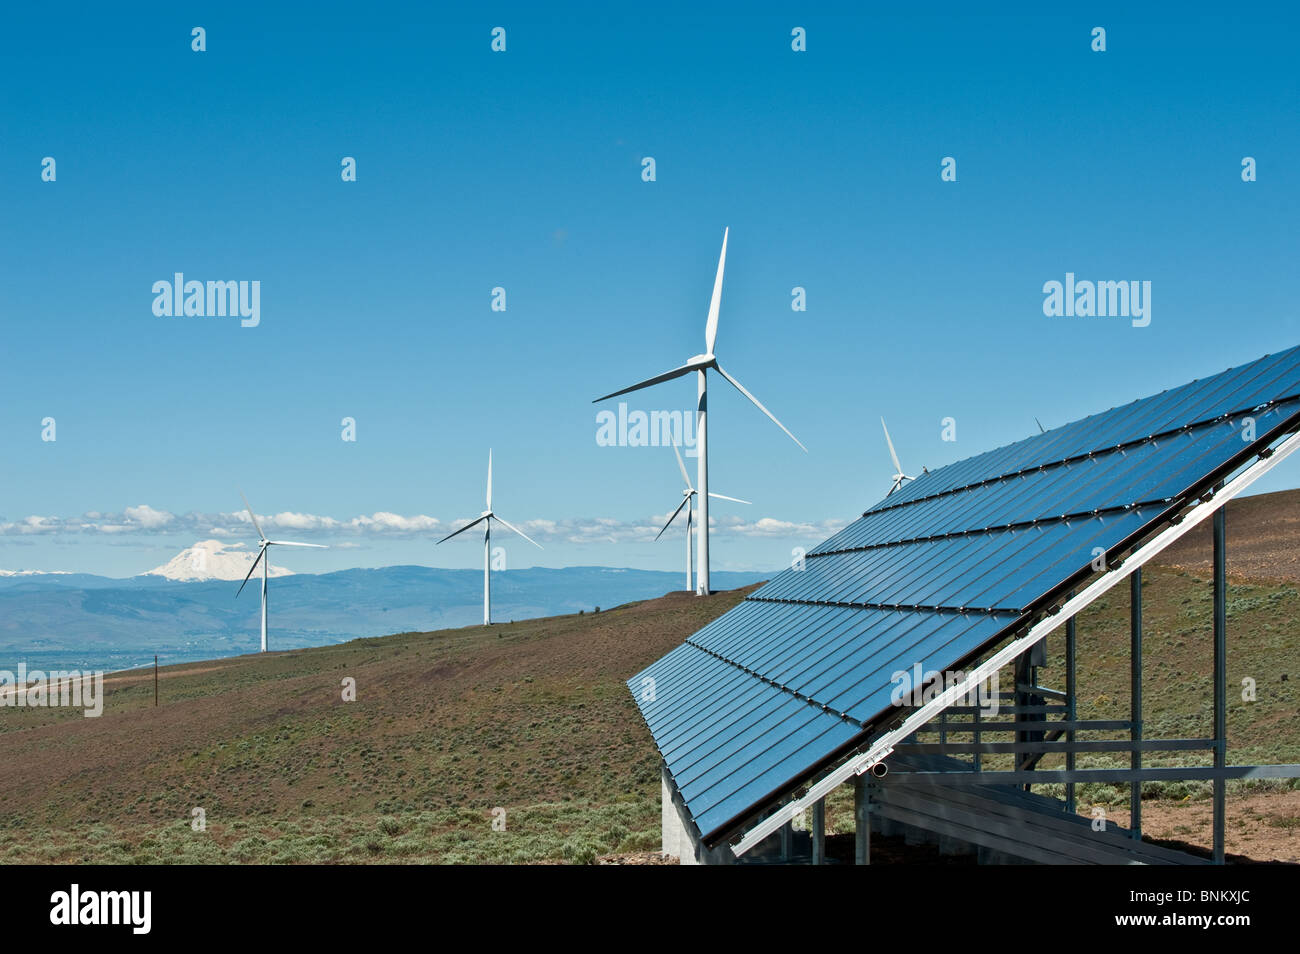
x=212 y=560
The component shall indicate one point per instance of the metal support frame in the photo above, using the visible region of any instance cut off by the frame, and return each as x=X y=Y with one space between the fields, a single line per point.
x=1107 y=776
x=1055 y=745
x=1220 y=678
x=880 y=748
x=819 y=832
x=1135 y=697
x=1071 y=702
x=862 y=820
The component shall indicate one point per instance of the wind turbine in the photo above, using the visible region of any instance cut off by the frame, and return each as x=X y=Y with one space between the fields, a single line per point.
x=899 y=476
x=687 y=494
x=486 y=518
x=700 y=364
x=263 y=545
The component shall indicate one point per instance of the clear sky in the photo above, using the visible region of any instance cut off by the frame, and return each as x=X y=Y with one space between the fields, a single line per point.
x=523 y=170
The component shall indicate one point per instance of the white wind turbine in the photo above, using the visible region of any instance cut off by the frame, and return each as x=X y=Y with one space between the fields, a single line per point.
x=486 y=519
x=700 y=364
x=687 y=494
x=899 y=476
x=264 y=558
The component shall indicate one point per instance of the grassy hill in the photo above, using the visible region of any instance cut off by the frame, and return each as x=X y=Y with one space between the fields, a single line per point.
x=534 y=718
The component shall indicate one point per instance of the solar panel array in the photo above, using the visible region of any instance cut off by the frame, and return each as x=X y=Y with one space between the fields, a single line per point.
x=754 y=703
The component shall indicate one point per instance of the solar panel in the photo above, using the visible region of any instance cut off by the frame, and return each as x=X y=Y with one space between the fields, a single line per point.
x=799 y=674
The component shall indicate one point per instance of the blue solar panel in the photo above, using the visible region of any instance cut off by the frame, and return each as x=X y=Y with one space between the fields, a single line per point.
x=798 y=674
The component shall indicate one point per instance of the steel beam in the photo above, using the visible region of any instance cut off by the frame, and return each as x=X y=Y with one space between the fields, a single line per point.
x=1071 y=702
x=1135 y=697
x=819 y=832
x=862 y=820
x=1077 y=725
x=1053 y=745
x=1220 y=678
x=1199 y=773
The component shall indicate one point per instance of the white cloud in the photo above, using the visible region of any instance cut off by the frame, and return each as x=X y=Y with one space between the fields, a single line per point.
x=147 y=516
x=144 y=520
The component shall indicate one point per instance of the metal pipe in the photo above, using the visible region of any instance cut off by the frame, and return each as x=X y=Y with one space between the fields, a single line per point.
x=1220 y=678
x=819 y=832
x=1071 y=704
x=1135 y=697
x=861 y=821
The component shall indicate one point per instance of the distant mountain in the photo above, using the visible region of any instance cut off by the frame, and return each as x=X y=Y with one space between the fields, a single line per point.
x=212 y=560
x=78 y=619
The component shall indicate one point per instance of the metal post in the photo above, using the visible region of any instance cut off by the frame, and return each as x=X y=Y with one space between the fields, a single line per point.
x=1135 y=696
x=819 y=832
x=702 y=485
x=1071 y=706
x=1026 y=675
x=861 y=821
x=690 y=506
x=787 y=840
x=1220 y=677
x=487 y=579
x=266 y=563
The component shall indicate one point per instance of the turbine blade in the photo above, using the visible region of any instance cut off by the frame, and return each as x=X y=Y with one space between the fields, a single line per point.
x=682 y=466
x=732 y=499
x=520 y=532
x=685 y=501
x=260 y=551
x=741 y=388
x=472 y=523
x=257 y=526
x=290 y=543
x=711 y=329
x=657 y=379
x=1041 y=429
x=489 y=492
x=898 y=468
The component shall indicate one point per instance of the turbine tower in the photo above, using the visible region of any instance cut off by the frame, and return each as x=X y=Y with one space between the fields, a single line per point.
x=264 y=558
x=486 y=518
x=899 y=476
x=687 y=496
x=701 y=364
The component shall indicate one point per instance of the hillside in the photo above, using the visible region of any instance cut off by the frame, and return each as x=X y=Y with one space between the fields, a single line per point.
x=1263 y=534
x=534 y=717
x=96 y=623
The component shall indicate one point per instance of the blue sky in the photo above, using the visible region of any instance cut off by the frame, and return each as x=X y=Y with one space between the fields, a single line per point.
x=522 y=170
